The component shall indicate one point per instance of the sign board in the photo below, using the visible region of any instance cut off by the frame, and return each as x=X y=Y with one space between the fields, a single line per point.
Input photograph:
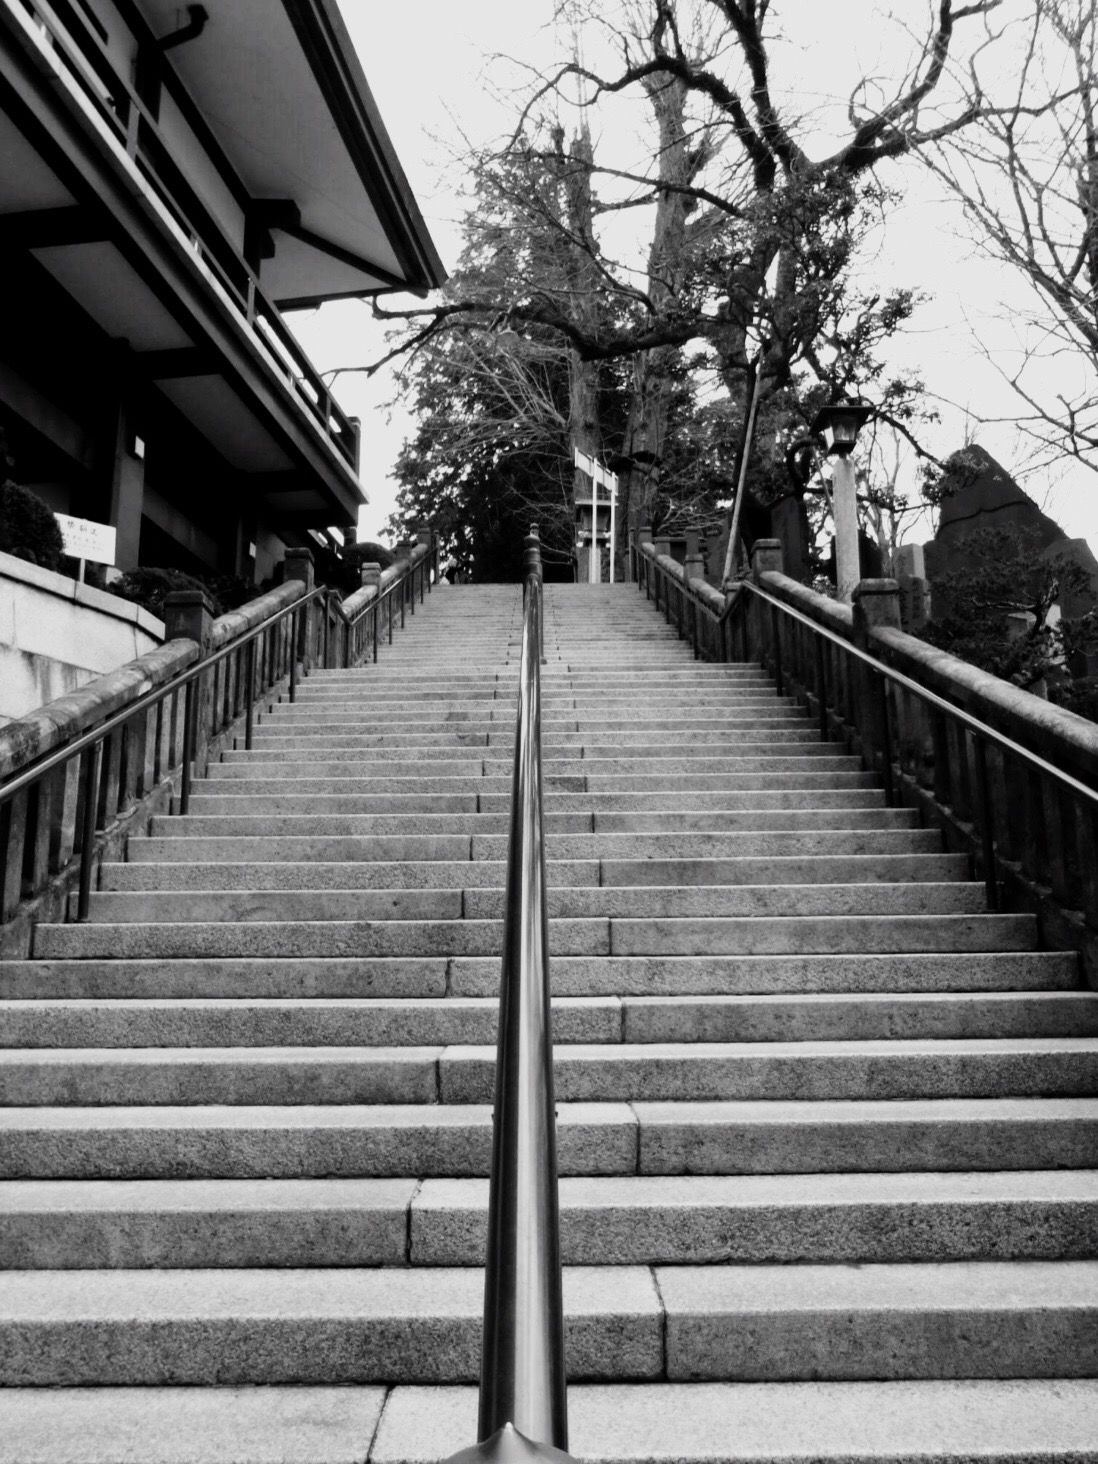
x=85 y=539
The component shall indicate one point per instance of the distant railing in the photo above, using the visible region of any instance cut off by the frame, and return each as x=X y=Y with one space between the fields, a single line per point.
x=1008 y=776
x=112 y=104
x=523 y=1385
x=71 y=771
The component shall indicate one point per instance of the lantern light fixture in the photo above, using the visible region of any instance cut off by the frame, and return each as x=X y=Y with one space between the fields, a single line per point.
x=839 y=424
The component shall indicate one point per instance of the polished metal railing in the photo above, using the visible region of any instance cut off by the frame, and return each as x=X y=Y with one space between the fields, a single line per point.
x=523 y=1392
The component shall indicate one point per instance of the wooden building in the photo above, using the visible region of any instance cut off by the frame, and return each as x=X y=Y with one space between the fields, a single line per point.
x=174 y=178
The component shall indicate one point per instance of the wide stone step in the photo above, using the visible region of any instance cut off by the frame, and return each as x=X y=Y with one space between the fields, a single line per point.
x=396 y=1022
x=933 y=1422
x=622 y=936
x=416 y=1140
x=423 y=976
x=671 y=902
x=560 y=873
x=344 y=764
x=286 y=780
x=613 y=810
x=962 y=1319
x=612 y=1221
x=976 y=1068
x=146 y=1327
x=337 y=848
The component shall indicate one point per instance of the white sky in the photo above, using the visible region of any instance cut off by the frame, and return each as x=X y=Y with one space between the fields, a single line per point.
x=429 y=67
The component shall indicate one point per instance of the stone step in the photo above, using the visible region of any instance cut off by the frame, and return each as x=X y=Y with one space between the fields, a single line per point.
x=343 y=763
x=614 y=810
x=774 y=1323
x=848 y=1219
x=672 y=1138
x=979 y=1068
x=398 y=761
x=400 y=848
x=620 y=936
x=335 y=848
x=350 y=1140
x=146 y=1327
x=932 y=1422
x=560 y=873
x=307 y=1022
x=296 y=1425
x=964 y=1319
x=696 y=844
x=852 y=1219
x=412 y=671
x=951 y=1068
x=425 y=976
x=779 y=871
x=399 y=1021
x=682 y=902
x=377 y=874
x=310 y=938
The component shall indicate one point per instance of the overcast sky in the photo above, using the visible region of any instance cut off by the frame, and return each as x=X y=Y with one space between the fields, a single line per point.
x=430 y=68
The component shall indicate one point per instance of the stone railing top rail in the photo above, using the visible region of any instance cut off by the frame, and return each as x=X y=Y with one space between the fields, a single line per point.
x=364 y=596
x=704 y=591
x=1060 y=736
x=59 y=721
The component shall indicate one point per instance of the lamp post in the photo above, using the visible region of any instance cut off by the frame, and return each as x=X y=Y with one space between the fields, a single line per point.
x=838 y=425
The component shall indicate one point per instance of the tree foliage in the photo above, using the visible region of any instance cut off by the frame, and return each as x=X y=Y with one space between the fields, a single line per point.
x=1003 y=615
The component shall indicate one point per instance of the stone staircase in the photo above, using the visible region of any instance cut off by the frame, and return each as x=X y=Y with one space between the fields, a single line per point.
x=825 y=1123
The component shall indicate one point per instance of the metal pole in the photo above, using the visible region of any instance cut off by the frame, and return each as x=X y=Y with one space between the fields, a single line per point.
x=821 y=686
x=776 y=633
x=613 y=487
x=886 y=742
x=189 y=699
x=249 y=711
x=93 y=759
x=987 y=839
x=293 y=655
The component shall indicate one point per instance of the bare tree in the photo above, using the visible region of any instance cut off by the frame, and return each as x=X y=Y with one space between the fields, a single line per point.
x=753 y=234
x=1027 y=175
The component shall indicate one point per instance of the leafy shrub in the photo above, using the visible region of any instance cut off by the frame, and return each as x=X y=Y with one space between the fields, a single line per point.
x=148 y=587
x=28 y=529
x=368 y=553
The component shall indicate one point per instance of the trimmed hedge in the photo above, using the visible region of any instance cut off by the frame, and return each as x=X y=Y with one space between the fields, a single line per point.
x=28 y=529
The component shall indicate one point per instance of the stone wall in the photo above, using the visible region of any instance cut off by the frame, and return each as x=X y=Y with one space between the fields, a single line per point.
x=57 y=635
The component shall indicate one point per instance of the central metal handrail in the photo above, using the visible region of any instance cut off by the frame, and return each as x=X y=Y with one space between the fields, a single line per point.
x=523 y=1385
